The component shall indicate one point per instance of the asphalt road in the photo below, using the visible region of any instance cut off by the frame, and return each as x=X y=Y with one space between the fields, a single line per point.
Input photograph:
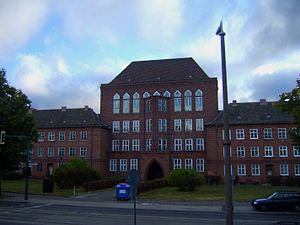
x=87 y=210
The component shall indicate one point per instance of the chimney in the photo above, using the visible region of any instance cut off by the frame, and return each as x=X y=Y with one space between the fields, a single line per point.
x=262 y=101
x=64 y=108
x=86 y=107
x=234 y=103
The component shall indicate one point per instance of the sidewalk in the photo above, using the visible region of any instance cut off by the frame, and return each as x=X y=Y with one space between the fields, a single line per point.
x=106 y=199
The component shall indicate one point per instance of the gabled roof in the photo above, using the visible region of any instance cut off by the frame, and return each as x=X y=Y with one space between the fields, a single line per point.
x=160 y=71
x=67 y=118
x=254 y=113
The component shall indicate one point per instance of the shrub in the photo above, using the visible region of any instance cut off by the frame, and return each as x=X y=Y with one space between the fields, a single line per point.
x=151 y=184
x=74 y=173
x=185 y=179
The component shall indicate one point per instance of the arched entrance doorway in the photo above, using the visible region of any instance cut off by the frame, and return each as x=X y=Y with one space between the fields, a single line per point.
x=155 y=171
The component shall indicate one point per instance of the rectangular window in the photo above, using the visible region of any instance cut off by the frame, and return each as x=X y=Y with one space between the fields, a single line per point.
x=200 y=165
x=125 y=145
x=241 y=170
x=116 y=107
x=200 y=144
x=72 y=151
x=253 y=133
x=189 y=144
x=61 y=136
x=148 y=125
x=188 y=163
x=199 y=103
x=240 y=151
x=188 y=103
x=40 y=152
x=162 y=144
x=177 y=104
x=126 y=102
x=281 y=133
x=135 y=144
x=50 y=151
x=188 y=125
x=115 y=145
x=116 y=126
x=162 y=105
x=51 y=136
x=255 y=170
x=148 y=105
x=268 y=151
x=296 y=150
x=148 y=144
x=267 y=133
x=176 y=164
x=112 y=165
x=41 y=136
x=83 y=151
x=61 y=151
x=162 y=125
x=72 y=135
x=240 y=134
x=284 y=169
x=125 y=126
x=83 y=135
x=39 y=167
x=134 y=164
x=199 y=124
x=297 y=169
x=283 y=151
x=223 y=135
x=135 y=126
x=177 y=125
x=254 y=151
x=178 y=144
x=136 y=105
x=123 y=165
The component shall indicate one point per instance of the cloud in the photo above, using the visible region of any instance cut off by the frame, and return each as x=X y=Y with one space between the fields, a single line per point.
x=20 y=21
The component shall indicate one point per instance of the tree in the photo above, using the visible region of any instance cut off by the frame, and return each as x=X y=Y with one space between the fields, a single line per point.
x=185 y=179
x=18 y=125
x=74 y=173
x=290 y=102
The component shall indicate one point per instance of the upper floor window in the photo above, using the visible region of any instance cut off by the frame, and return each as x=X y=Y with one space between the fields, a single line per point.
x=156 y=93
x=199 y=124
x=136 y=103
x=116 y=103
x=50 y=151
x=268 y=151
x=296 y=150
x=135 y=144
x=72 y=136
x=146 y=95
x=41 y=136
x=254 y=151
x=200 y=165
x=135 y=126
x=125 y=126
x=61 y=151
x=134 y=164
x=177 y=101
x=188 y=125
x=162 y=105
x=51 y=136
x=148 y=105
x=200 y=144
x=112 y=165
x=240 y=151
x=72 y=151
x=40 y=152
x=61 y=136
x=283 y=151
x=253 y=133
x=162 y=144
x=188 y=163
x=123 y=164
x=284 y=169
x=116 y=126
x=267 y=133
x=188 y=101
x=83 y=135
x=255 y=170
x=162 y=125
x=148 y=125
x=126 y=101
x=198 y=100
x=281 y=133
x=115 y=145
x=177 y=125
x=125 y=145
x=178 y=144
x=167 y=94
x=189 y=144
x=240 y=134
x=148 y=144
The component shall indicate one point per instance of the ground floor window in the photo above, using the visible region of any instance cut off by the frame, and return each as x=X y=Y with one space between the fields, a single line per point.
x=284 y=169
x=241 y=170
x=134 y=164
x=123 y=164
x=297 y=169
x=200 y=165
x=39 y=167
x=176 y=164
x=188 y=163
x=255 y=170
x=112 y=165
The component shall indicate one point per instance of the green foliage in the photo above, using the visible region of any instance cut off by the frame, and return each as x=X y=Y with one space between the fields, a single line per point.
x=185 y=179
x=290 y=102
x=18 y=124
x=74 y=173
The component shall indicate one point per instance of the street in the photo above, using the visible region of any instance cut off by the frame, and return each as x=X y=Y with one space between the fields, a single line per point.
x=86 y=211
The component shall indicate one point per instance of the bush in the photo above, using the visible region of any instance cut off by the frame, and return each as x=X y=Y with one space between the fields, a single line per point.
x=101 y=184
x=74 y=173
x=151 y=184
x=185 y=179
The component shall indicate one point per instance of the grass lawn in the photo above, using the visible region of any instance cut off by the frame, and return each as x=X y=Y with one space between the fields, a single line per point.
x=210 y=193
x=35 y=187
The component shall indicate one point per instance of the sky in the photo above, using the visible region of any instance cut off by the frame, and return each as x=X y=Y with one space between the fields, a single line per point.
x=60 y=52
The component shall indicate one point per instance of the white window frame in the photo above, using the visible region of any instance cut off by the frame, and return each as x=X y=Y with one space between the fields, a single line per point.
x=112 y=165
x=116 y=126
x=135 y=126
x=188 y=144
x=253 y=134
x=83 y=151
x=61 y=152
x=269 y=152
x=136 y=103
x=115 y=145
x=199 y=100
x=200 y=164
x=50 y=152
x=284 y=169
x=51 y=136
x=61 y=135
x=72 y=135
x=148 y=144
x=281 y=133
x=125 y=145
x=254 y=151
x=268 y=133
x=177 y=125
x=187 y=101
x=188 y=125
x=177 y=101
x=41 y=136
x=72 y=151
x=177 y=144
x=255 y=170
x=126 y=103
x=283 y=151
x=40 y=152
x=200 y=144
x=199 y=124
x=296 y=151
x=123 y=165
x=134 y=164
x=241 y=170
x=148 y=125
x=126 y=126
x=176 y=164
x=297 y=169
x=116 y=104
x=162 y=125
x=135 y=144
x=188 y=163
x=83 y=135
x=240 y=151
x=162 y=144
x=240 y=134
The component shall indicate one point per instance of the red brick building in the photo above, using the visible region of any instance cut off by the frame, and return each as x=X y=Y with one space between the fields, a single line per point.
x=157 y=110
x=68 y=133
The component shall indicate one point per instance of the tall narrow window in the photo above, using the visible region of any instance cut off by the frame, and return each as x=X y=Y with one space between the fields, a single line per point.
x=177 y=125
x=162 y=144
x=187 y=101
x=148 y=144
x=148 y=105
x=136 y=103
x=126 y=101
x=116 y=105
x=177 y=101
x=200 y=165
x=134 y=164
x=148 y=125
x=112 y=165
x=199 y=124
x=162 y=105
x=135 y=126
x=176 y=164
x=162 y=125
x=198 y=100
x=178 y=144
x=188 y=163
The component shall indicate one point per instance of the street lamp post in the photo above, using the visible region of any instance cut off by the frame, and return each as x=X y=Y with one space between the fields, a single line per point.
x=226 y=142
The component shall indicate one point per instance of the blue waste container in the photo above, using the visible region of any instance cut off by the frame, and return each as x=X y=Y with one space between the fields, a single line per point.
x=122 y=191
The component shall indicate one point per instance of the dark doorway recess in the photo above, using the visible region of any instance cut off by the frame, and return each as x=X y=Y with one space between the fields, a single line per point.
x=155 y=171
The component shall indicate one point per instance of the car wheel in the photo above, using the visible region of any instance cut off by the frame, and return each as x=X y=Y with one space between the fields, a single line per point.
x=263 y=208
x=297 y=208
